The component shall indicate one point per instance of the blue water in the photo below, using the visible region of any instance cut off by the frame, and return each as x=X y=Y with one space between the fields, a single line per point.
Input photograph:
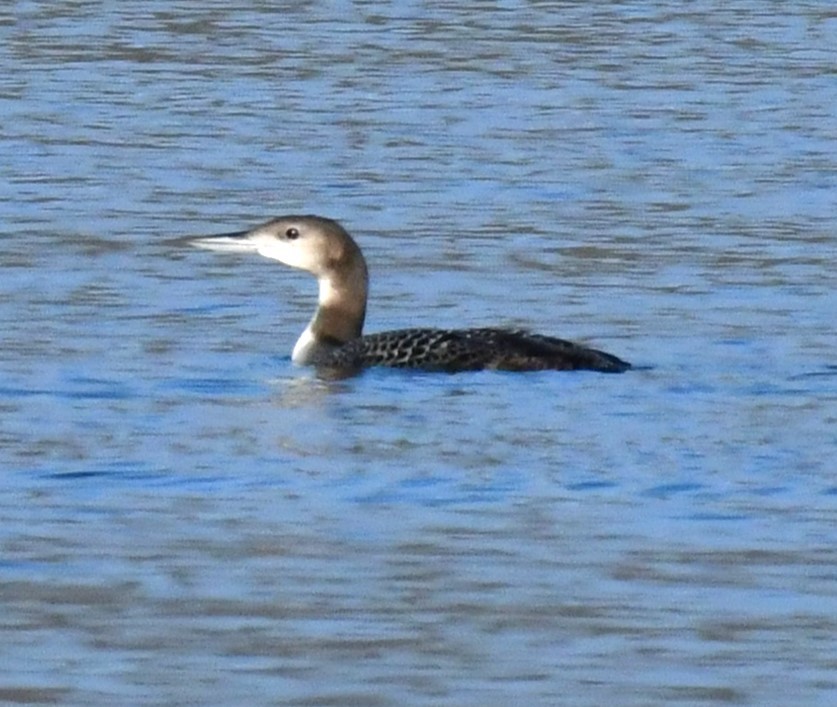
x=187 y=518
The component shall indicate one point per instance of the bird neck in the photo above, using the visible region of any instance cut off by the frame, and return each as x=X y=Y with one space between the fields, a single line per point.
x=341 y=311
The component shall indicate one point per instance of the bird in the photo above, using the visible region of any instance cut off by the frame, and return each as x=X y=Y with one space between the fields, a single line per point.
x=334 y=342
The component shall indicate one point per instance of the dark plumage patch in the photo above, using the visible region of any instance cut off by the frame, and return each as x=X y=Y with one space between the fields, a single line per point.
x=453 y=350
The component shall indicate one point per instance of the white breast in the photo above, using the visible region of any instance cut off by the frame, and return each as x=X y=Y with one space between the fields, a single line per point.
x=304 y=347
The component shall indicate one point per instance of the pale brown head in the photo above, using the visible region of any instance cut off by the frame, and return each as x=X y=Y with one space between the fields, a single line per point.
x=322 y=247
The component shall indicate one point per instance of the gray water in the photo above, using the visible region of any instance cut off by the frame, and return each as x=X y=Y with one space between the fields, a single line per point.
x=187 y=518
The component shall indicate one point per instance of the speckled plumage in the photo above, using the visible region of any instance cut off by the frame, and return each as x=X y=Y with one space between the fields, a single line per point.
x=333 y=341
x=452 y=350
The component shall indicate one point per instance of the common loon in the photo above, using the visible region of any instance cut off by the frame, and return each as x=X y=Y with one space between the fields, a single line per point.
x=334 y=342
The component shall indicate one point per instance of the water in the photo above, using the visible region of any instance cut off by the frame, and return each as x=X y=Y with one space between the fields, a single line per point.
x=189 y=519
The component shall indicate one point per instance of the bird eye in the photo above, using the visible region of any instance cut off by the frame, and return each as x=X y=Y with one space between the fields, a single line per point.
x=292 y=234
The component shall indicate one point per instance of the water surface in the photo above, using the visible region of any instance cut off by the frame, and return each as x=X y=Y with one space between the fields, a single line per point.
x=187 y=518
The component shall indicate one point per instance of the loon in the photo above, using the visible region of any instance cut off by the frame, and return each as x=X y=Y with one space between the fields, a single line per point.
x=333 y=341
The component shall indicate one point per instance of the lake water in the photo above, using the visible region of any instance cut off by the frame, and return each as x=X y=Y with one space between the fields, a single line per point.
x=187 y=518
